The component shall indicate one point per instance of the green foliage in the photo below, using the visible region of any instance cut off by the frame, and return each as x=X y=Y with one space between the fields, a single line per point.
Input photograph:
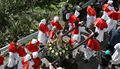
x=18 y=17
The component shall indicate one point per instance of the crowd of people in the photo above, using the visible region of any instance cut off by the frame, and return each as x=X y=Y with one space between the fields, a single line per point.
x=26 y=56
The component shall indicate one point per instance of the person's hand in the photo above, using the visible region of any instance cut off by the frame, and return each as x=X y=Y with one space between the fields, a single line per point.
x=81 y=23
x=50 y=64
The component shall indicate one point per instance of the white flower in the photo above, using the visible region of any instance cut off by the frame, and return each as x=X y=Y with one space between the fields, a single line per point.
x=56 y=53
x=66 y=48
x=49 y=44
x=63 y=51
x=52 y=51
x=60 y=53
x=50 y=48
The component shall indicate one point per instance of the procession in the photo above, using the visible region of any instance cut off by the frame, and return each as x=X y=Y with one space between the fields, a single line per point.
x=70 y=38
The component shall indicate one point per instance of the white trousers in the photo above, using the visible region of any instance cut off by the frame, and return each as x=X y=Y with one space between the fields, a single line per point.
x=75 y=52
x=3 y=66
x=88 y=53
x=20 y=65
x=105 y=16
x=90 y=20
x=13 y=58
x=42 y=38
x=100 y=34
x=111 y=24
x=31 y=63
x=116 y=57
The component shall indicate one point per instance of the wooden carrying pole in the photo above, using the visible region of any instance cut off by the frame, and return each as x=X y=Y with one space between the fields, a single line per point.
x=76 y=47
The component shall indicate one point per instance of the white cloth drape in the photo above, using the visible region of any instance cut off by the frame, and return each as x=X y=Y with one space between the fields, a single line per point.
x=90 y=20
x=111 y=24
x=101 y=34
x=88 y=53
x=13 y=58
x=42 y=37
x=116 y=55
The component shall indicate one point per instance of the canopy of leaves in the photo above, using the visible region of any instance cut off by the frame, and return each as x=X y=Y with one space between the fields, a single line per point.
x=18 y=17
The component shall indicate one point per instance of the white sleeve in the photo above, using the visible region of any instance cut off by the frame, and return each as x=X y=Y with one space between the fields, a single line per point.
x=50 y=67
x=39 y=24
x=111 y=8
x=76 y=13
x=82 y=29
x=105 y=29
x=117 y=46
x=67 y=16
x=31 y=62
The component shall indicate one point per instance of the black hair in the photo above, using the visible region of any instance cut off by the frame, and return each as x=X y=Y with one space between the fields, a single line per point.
x=23 y=44
x=41 y=46
x=15 y=40
x=92 y=5
x=76 y=23
x=43 y=66
x=58 y=32
x=66 y=6
x=81 y=3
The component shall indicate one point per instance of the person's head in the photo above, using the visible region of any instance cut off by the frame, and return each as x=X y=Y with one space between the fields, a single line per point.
x=66 y=6
x=107 y=52
x=80 y=4
x=23 y=45
x=76 y=23
x=43 y=21
x=110 y=2
x=119 y=6
x=59 y=68
x=56 y=18
x=118 y=29
x=15 y=40
x=43 y=65
x=92 y=5
x=34 y=41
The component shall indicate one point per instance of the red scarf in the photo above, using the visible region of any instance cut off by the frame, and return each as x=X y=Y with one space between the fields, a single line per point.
x=1 y=60
x=72 y=42
x=100 y=23
x=105 y=8
x=12 y=48
x=43 y=28
x=57 y=25
x=25 y=64
x=91 y=11
x=33 y=47
x=114 y=15
x=93 y=44
x=73 y=19
x=21 y=51
x=37 y=62
x=51 y=34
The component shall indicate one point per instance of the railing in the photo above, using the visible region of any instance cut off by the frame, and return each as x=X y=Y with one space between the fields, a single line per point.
x=5 y=49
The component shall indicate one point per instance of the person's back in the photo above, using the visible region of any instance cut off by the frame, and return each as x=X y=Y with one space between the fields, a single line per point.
x=64 y=12
x=114 y=37
x=78 y=9
x=105 y=60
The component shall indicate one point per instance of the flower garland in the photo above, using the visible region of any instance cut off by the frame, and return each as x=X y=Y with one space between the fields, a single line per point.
x=55 y=52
